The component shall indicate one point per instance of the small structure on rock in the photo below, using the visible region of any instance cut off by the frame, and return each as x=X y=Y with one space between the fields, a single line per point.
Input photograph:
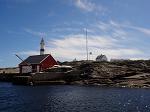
x=37 y=63
x=101 y=58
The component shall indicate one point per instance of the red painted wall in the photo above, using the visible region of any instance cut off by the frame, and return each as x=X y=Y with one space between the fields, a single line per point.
x=48 y=62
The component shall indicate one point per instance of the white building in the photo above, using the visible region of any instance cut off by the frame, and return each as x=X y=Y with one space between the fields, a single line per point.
x=101 y=58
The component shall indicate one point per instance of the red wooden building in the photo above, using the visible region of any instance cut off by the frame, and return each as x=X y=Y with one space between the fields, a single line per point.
x=37 y=63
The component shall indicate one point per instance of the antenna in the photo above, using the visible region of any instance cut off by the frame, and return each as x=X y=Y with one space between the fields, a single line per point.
x=86 y=44
x=19 y=57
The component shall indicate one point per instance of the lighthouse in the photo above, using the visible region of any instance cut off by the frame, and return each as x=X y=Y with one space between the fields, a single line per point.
x=37 y=63
x=42 y=44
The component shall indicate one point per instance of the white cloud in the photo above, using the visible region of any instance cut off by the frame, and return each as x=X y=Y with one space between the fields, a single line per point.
x=103 y=26
x=141 y=29
x=139 y=58
x=36 y=33
x=122 y=30
x=118 y=26
x=79 y=41
x=55 y=30
x=85 y=5
x=113 y=29
x=88 y=6
x=121 y=52
x=73 y=46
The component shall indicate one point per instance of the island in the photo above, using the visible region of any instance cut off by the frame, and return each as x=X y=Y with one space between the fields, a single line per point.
x=127 y=73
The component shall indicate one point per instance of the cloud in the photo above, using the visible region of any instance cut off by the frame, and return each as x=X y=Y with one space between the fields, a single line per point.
x=119 y=26
x=112 y=29
x=36 y=33
x=73 y=46
x=141 y=29
x=122 y=30
x=65 y=29
x=140 y=58
x=78 y=41
x=87 y=5
x=114 y=39
x=121 y=52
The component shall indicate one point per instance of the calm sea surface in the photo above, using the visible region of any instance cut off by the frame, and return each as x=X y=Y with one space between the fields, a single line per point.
x=65 y=98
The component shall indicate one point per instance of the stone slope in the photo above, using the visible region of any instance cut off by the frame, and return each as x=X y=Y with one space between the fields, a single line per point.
x=113 y=73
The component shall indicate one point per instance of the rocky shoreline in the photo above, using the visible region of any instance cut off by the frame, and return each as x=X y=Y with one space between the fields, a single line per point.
x=133 y=74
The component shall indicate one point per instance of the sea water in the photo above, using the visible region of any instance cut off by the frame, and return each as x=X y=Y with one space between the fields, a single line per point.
x=70 y=98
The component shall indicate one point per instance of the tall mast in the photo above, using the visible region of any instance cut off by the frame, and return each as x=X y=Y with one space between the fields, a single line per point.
x=86 y=44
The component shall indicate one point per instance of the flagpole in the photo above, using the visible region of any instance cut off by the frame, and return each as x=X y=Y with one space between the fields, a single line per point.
x=86 y=44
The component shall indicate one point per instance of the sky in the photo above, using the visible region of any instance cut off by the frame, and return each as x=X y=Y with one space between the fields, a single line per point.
x=119 y=29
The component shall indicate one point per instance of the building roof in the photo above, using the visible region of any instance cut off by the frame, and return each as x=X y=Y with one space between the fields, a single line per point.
x=100 y=56
x=35 y=59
